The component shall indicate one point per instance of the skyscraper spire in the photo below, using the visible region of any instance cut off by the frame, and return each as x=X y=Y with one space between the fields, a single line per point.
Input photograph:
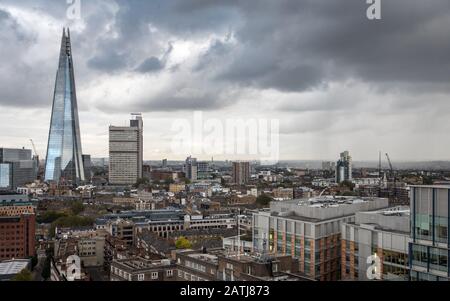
x=64 y=154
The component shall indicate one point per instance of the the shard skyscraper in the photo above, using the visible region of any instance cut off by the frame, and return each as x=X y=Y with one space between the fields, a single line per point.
x=64 y=161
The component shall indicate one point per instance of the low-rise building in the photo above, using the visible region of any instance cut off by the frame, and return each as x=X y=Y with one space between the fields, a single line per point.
x=15 y=204
x=10 y=268
x=176 y=188
x=122 y=229
x=197 y=266
x=240 y=200
x=283 y=193
x=141 y=269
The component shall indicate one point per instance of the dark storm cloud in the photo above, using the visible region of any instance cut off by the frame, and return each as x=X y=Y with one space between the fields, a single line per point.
x=286 y=45
x=335 y=41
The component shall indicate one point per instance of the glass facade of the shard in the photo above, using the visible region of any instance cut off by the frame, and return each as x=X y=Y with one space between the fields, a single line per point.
x=64 y=160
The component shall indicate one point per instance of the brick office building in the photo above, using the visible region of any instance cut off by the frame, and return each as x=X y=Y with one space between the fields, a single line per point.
x=17 y=236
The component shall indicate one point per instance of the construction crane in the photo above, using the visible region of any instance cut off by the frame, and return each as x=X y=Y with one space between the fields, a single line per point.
x=34 y=149
x=392 y=175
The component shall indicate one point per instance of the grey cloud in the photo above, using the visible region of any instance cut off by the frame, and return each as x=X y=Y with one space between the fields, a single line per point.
x=154 y=64
x=108 y=61
x=151 y=64
x=286 y=45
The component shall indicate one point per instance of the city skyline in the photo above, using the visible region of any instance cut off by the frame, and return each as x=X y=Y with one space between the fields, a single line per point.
x=335 y=80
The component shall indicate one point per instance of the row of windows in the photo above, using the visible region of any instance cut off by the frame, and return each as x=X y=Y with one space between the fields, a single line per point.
x=141 y=277
x=11 y=249
x=189 y=277
x=195 y=266
x=11 y=226
x=436 y=258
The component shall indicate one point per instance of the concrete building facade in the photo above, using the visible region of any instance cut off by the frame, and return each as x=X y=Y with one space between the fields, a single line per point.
x=126 y=152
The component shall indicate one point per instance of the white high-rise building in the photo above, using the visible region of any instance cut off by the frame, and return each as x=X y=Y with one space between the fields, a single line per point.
x=344 y=168
x=126 y=148
x=191 y=168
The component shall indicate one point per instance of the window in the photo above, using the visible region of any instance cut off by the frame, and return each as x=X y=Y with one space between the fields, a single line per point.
x=169 y=273
x=420 y=255
x=154 y=275
x=141 y=277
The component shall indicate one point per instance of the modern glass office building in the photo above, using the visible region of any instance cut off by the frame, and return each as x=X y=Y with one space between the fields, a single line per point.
x=17 y=168
x=64 y=161
x=429 y=250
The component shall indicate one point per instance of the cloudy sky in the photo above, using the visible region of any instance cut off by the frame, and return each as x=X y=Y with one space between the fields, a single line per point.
x=334 y=79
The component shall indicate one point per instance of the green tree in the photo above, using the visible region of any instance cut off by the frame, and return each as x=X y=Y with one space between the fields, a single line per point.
x=24 y=275
x=141 y=181
x=34 y=262
x=49 y=217
x=169 y=181
x=77 y=207
x=263 y=200
x=348 y=184
x=46 y=270
x=183 y=243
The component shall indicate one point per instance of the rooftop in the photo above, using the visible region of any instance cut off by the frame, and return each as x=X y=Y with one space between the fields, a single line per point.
x=325 y=207
x=139 y=263
x=330 y=201
x=14 y=266
x=431 y=186
x=204 y=257
x=393 y=211
x=394 y=219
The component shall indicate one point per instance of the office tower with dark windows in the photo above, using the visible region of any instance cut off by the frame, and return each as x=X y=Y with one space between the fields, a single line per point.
x=344 y=168
x=241 y=172
x=429 y=250
x=17 y=168
x=126 y=152
x=64 y=161
x=191 y=169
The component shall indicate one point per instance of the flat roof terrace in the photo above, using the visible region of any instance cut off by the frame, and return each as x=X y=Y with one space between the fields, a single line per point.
x=326 y=207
